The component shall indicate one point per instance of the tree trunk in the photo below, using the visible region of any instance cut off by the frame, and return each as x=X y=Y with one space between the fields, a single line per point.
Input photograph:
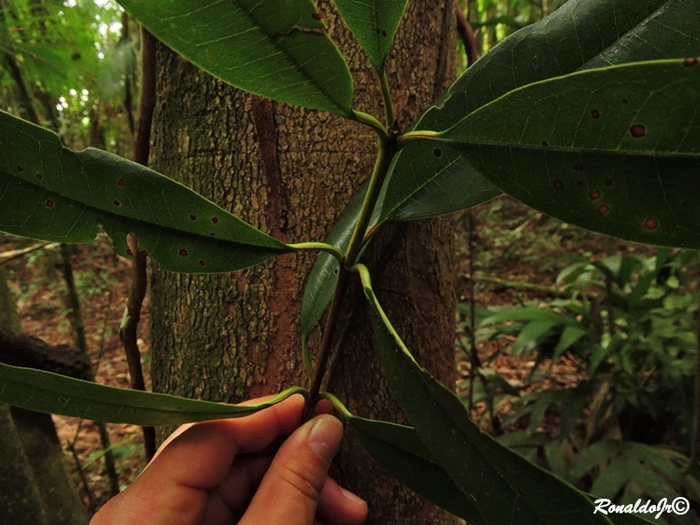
x=289 y=172
x=34 y=486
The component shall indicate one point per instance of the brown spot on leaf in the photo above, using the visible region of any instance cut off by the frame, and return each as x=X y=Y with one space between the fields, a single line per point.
x=202 y=263
x=625 y=101
x=183 y=252
x=383 y=33
x=608 y=182
x=638 y=131
x=215 y=220
x=144 y=253
x=50 y=203
x=437 y=152
x=578 y=168
x=193 y=217
x=545 y=143
x=116 y=202
x=651 y=223
x=691 y=61
x=558 y=184
x=121 y=183
x=580 y=184
x=20 y=169
x=129 y=252
x=595 y=113
x=604 y=209
x=595 y=195
x=317 y=16
x=39 y=176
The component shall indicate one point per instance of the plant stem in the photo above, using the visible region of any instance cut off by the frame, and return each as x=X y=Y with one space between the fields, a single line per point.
x=128 y=333
x=321 y=246
x=327 y=342
x=387 y=150
x=388 y=101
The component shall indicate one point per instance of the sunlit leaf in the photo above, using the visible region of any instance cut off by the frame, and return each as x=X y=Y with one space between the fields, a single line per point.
x=51 y=193
x=42 y=391
x=614 y=150
x=279 y=50
x=580 y=34
x=374 y=24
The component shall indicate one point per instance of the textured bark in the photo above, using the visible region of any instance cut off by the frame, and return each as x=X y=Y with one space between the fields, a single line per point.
x=20 y=502
x=290 y=172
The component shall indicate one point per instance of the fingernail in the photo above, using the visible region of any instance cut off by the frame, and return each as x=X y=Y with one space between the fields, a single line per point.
x=325 y=436
x=351 y=496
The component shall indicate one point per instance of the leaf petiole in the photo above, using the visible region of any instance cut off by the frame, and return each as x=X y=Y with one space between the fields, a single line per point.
x=320 y=246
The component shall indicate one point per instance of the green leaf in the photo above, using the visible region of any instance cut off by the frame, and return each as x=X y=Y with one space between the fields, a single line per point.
x=593 y=457
x=51 y=193
x=569 y=39
x=399 y=451
x=324 y=275
x=374 y=24
x=569 y=336
x=279 y=50
x=56 y=394
x=504 y=487
x=532 y=333
x=611 y=150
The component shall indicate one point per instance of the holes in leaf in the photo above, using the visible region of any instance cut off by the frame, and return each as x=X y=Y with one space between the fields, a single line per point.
x=437 y=152
x=183 y=252
x=116 y=203
x=121 y=183
x=651 y=223
x=193 y=217
x=50 y=203
x=638 y=131
x=558 y=184
x=317 y=16
x=595 y=195
x=689 y=62
x=595 y=113
x=545 y=143
x=202 y=263
x=20 y=169
x=39 y=176
x=625 y=101
x=215 y=220
x=603 y=209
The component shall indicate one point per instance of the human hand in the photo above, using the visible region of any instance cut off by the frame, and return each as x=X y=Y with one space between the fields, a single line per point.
x=194 y=479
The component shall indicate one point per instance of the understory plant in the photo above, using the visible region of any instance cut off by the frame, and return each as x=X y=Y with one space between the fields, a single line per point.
x=590 y=116
x=620 y=422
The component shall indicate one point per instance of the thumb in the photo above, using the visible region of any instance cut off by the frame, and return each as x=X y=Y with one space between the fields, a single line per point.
x=290 y=491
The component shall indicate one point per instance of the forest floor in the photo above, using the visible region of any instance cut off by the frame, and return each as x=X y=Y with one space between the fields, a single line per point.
x=512 y=249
